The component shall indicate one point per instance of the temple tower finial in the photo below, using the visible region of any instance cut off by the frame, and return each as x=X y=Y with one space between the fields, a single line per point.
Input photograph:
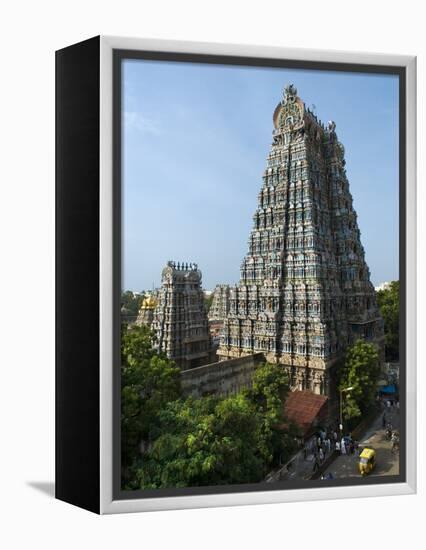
x=290 y=93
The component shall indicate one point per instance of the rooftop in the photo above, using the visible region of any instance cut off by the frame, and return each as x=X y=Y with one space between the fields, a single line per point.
x=302 y=407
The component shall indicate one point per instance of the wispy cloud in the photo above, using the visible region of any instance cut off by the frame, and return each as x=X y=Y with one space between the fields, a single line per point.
x=137 y=121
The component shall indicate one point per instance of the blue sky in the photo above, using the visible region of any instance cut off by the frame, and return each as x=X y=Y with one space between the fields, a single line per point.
x=195 y=142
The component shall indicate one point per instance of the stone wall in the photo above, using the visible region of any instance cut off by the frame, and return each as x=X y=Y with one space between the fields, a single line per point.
x=221 y=378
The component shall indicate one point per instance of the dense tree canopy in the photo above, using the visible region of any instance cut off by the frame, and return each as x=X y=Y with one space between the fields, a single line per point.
x=208 y=300
x=131 y=303
x=360 y=372
x=208 y=441
x=193 y=442
x=388 y=301
x=148 y=382
x=269 y=390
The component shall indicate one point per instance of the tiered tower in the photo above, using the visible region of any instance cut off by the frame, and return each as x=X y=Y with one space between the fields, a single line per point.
x=218 y=312
x=305 y=290
x=146 y=311
x=180 y=318
x=220 y=304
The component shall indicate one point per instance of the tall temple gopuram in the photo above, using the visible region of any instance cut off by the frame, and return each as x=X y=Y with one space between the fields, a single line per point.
x=180 y=318
x=305 y=292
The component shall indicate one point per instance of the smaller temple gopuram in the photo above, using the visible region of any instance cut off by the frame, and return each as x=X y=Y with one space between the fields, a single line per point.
x=146 y=311
x=220 y=304
x=218 y=312
x=180 y=317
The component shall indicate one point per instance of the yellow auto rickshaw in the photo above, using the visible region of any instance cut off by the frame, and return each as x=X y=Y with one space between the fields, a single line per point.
x=367 y=461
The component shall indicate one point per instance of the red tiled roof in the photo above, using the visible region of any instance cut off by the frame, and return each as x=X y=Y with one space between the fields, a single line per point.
x=303 y=407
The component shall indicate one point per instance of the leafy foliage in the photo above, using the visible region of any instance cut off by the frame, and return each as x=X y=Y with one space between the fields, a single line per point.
x=148 y=382
x=205 y=441
x=269 y=390
x=361 y=372
x=208 y=300
x=131 y=303
x=216 y=441
x=388 y=301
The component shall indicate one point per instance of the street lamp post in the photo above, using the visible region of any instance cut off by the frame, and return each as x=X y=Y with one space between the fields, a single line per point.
x=341 y=406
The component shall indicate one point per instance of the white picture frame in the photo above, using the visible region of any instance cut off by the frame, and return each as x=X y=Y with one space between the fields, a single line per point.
x=108 y=503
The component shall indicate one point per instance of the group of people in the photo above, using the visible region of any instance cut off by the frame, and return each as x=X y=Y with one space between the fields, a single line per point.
x=326 y=442
x=390 y=433
x=347 y=446
x=390 y=404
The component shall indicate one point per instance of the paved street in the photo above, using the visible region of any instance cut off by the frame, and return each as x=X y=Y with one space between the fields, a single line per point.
x=301 y=467
x=344 y=466
x=386 y=463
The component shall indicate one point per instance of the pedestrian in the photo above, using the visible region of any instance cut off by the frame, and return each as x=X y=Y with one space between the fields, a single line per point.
x=328 y=444
x=319 y=442
x=335 y=435
x=352 y=448
x=321 y=455
x=337 y=446
x=343 y=447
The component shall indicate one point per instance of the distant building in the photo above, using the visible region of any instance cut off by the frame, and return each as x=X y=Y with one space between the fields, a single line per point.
x=146 y=311
x=218 y=311
x=180 y=318
x=126 y=315
x=220 y=304
x=305 y=292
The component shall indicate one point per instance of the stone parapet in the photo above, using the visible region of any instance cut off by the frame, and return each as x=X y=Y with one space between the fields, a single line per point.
x=221 y=378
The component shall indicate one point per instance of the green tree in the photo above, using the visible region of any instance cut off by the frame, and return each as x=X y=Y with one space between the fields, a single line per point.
x=214 y=440
x=268 y=392
x=208 y=300
x=148 y=381
x=131 y=303
x=269 y=389
x=208 y=441
x=360 y=372
x=388 y=301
